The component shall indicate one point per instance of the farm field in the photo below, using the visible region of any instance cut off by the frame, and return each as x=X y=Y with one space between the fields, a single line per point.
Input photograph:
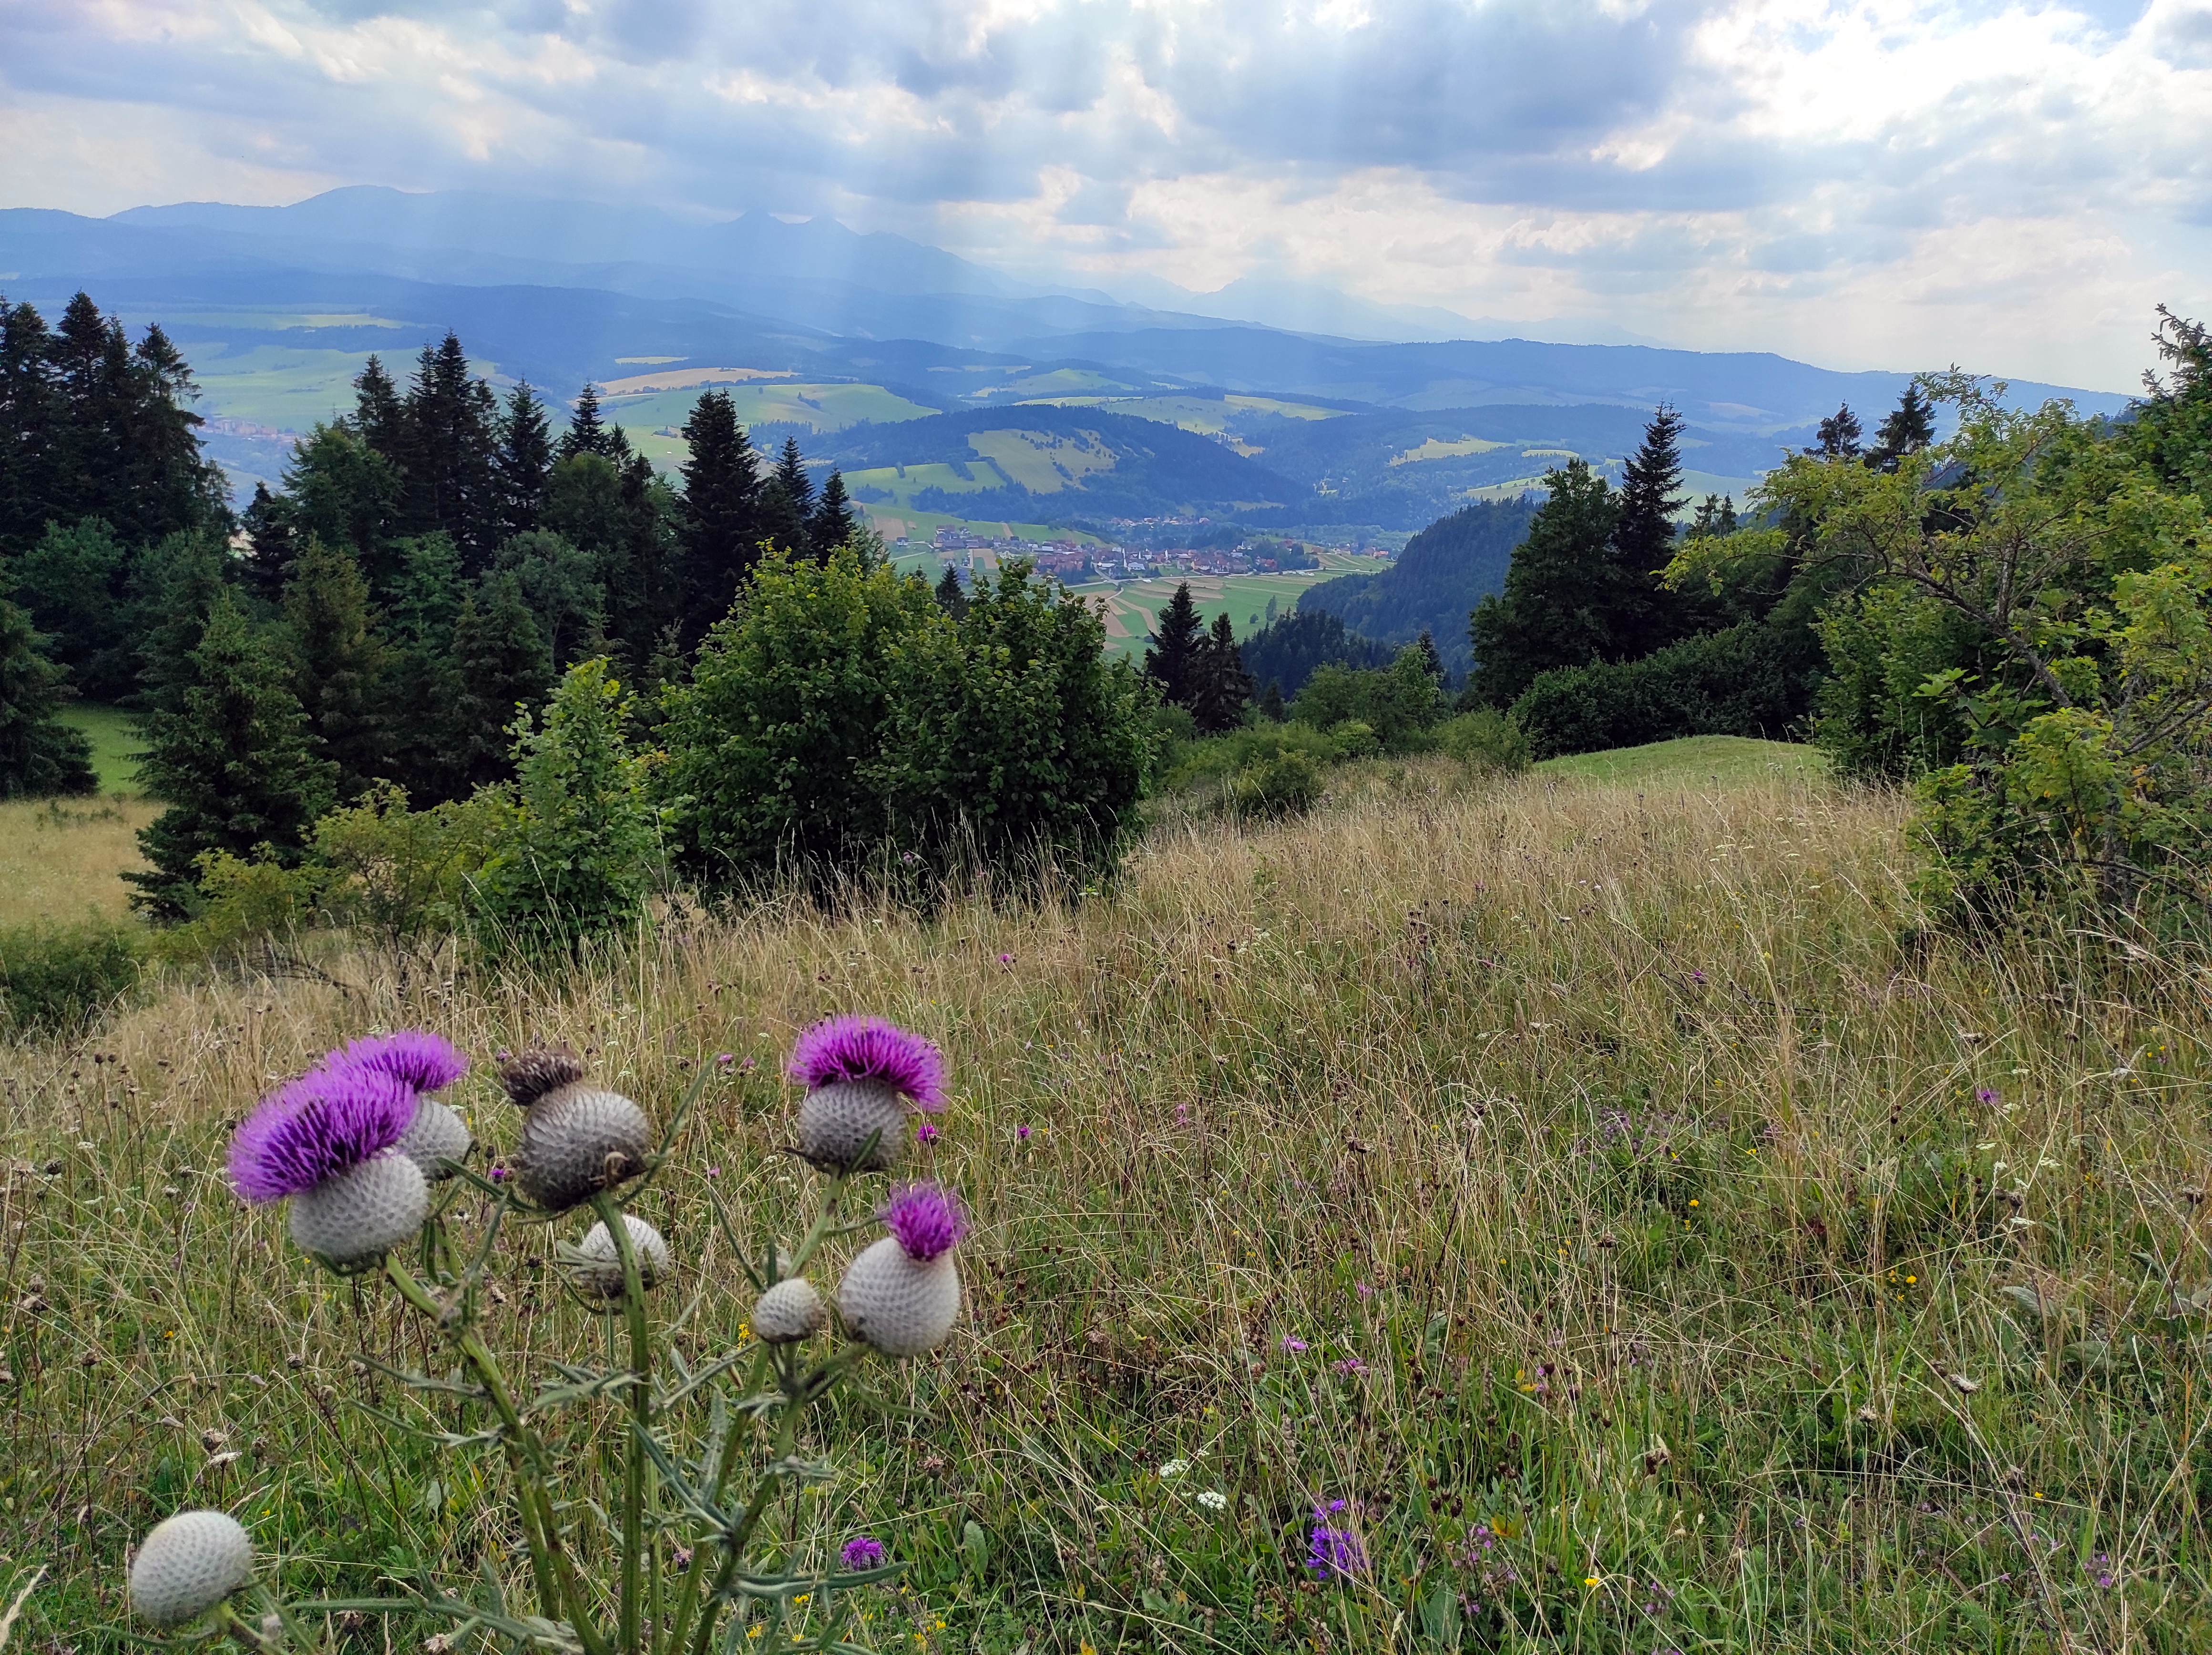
x=1607 y=1192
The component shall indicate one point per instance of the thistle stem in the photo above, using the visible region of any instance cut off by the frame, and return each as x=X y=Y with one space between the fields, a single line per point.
x=556 y=1583
x=641 y=1410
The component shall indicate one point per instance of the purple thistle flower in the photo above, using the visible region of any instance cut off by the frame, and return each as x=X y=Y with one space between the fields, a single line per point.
x=927 y=1218
x=1292 y=1346
x=315 y=1127
x=1986 y=1096
x=926 y=1133
x=1022 y=1133
x=863 y=1551
x=869 y=1049
x=419 y=1060
x=1332 y=1554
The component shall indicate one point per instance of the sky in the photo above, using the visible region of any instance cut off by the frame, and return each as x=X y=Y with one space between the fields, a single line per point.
x=2011 y=187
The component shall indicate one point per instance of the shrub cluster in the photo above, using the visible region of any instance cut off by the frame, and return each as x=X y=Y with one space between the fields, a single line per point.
x=1751 y=680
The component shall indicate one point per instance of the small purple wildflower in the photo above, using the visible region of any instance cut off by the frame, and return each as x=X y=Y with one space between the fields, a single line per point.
x=926 y=1133
x=1332 y=1554
x=1986 y=1096
x=1182 y=1114
x=725 y=1058
x=421 y=1061
x=714 y=1171
x=681 y=1557
x=863 y=1551
x=869 y=1049
x=749 y=1064
x=1292 y=1346
x=500 y=1174
x=1699 y=977
x=315 y=1127
x=1352 y=1367
x=1005 y=959
x=1022 y=1133
x=927 y=1218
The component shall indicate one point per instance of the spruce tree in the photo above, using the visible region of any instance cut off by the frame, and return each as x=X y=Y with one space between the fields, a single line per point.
x=379 y=418
x=1905 y=430
x=833 y=522
x=74 y=585
x=338 y=664
x=1556 y=609
x=1172 y=659
x=1836 y=437
x=1270 y=703
x=500 y=664
x=524 y=466
x=342 y=487
x=1221 y=688
x=587 y=433
x=32 y=405
x=782 y=524
x=719 y=519
x=231 y=756
x=791 y=472
x=951 y=597
x=269 y=545
x=39 y=755
x=448 y=481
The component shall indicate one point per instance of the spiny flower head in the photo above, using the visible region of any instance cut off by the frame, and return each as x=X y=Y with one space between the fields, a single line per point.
x=926 y=1219
x=315 y=1127
x=864 y=1551
x=853 y=1048
x=423 y=1061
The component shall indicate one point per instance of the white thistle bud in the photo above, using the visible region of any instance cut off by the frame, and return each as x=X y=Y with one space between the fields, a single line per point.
x=789 y=1312
x=836 y=1121
x=903 y=1307
x=355 y=1216
x=189 y=1564
x=576 y=1141
x=597 y=1268
x=434 y=1137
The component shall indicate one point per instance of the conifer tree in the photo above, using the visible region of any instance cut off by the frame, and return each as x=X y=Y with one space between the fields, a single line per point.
x=379 y=418
x=39 y=755
x=346 y=490
x=447 y=481
x=1837 y=436
x=338 y=664
x=1172 y=659
x=501 y=664
x=269 y=545
x=31 y=405
x=1640 y=615
x=1270 y=703
x=791 y=472
x=524 y=466
x=782 y=524
x=231 y=756
x=587 y=433
x=951 y=597
x=1556 y=609
x=1905 y=430
x=720 y=521
x=1221 y=688
x=833 y=522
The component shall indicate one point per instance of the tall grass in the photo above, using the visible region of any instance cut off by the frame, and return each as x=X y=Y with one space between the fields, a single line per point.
x=61 y=860
x=1654 y=1240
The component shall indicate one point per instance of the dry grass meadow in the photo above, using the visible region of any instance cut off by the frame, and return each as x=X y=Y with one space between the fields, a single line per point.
x=1655 y=1241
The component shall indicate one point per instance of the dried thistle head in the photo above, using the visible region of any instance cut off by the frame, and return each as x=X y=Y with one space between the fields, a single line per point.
x=530 y=1073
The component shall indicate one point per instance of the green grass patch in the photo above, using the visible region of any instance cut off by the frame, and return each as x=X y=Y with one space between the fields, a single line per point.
x=114 y=739
x=1727 y=761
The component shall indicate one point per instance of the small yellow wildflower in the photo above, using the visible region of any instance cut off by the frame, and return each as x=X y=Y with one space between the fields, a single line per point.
x=1589 y=1579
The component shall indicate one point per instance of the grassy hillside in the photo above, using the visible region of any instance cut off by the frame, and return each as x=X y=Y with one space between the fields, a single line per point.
x=1604 y=1192
x=1695 y=761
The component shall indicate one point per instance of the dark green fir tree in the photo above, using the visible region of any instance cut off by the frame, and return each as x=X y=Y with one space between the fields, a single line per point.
x=1172 y=658
x=40 y=755
x=231 y=755
x=339 y=664
x=832 y=523
x=500 y=666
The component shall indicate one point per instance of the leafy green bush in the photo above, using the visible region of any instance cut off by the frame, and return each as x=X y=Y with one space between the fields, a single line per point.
x=1484 y=739
x=244 y=903
x=1219 y=758
x=56 y=978
x=839 y=719
x=1398 y=703
x=582 y=849
x=1287 y=784
x=1753 y=679
x=2033 y=639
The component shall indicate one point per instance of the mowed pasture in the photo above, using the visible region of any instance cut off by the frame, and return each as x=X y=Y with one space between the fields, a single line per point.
x=1612 y=1194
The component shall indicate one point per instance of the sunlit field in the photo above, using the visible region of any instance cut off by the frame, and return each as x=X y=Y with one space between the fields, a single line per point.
x=1655 y=1238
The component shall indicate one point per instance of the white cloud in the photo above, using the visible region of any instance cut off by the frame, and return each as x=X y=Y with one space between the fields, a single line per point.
x=2011 y=185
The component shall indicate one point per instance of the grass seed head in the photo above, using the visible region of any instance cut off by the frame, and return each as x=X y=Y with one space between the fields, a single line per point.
x=189 y=1564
